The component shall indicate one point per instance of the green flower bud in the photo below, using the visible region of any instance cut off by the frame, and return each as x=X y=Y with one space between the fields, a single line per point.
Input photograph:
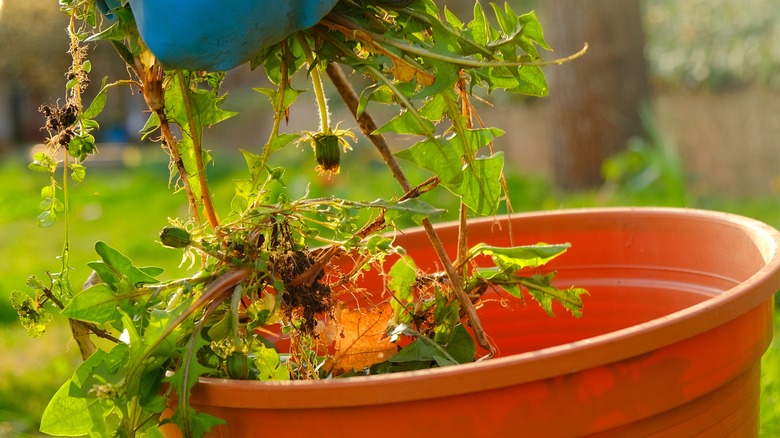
x=277 y=172
x=237 y=366
x=326 y=150
x=175 y=237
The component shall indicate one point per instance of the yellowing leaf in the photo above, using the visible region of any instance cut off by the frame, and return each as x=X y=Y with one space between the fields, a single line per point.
x=424 y=78
x=362 y=340
x=405 y=72
x=402 y=71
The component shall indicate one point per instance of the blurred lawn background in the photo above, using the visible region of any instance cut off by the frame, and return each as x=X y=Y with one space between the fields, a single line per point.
x=721 y=54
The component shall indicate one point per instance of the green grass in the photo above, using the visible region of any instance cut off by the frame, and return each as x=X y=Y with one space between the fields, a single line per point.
x=770 y=383
x=134 y=206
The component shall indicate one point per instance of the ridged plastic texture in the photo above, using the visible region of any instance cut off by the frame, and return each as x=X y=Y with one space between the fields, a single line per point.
x=678 y=316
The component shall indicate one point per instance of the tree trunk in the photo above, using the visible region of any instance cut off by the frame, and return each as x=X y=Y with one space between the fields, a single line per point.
x=596 y=98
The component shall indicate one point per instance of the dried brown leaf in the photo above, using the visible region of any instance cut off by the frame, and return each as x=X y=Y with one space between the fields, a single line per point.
x=362 y=340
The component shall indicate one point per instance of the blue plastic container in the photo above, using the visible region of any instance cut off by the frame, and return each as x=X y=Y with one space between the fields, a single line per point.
x=218 y=35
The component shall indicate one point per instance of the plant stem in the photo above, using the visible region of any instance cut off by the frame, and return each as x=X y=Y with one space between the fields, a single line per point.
x=173 y=148
x=151 y=74
x=322 y=102
x=405 y=102
x=279 y=109
x=418 y=16
x=356 y=32
x=367 y=125
x=195 y=134
x=63 y=278
x=463 y=234
x=457 y=287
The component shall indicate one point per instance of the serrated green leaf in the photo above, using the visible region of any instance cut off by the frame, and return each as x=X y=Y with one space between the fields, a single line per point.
x=478 y=28
x=452 y=19
x=417 y=351
x=403 y=275
x=254 y=162
x=541 y=289
x=105 y=272
x=205 y=105
x=152 y=124
x=66 y=415
x=121 y=266
x=461 y=346
x=447 y=74
x=206 y=111
x=480 y=188
x=406 y=123
x=445 y=317
x=514 y=290
x=476 y=139
x=504 y=21
x=100 y=368
x=434 y=108
x=98 y=304
x=191 y=422
x=415 y=207
x=290 y=95
x=282 y=140
x=519 y=257
x=532 y=30
x=439 y=155
x=478 y=183
x=98 y=102
x=268 y=365
x=532 y=82
x=75 y=410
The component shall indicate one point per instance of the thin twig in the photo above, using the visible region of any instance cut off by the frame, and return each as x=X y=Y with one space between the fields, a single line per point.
x=463 y=229
x=424 y=187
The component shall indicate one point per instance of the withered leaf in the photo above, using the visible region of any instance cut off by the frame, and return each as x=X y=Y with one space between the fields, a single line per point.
x=362 y=340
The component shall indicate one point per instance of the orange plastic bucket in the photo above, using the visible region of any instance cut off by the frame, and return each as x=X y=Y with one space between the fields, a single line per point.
x=679 y=314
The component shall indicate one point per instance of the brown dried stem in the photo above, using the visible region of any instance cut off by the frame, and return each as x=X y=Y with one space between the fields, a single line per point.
x=152 y=77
